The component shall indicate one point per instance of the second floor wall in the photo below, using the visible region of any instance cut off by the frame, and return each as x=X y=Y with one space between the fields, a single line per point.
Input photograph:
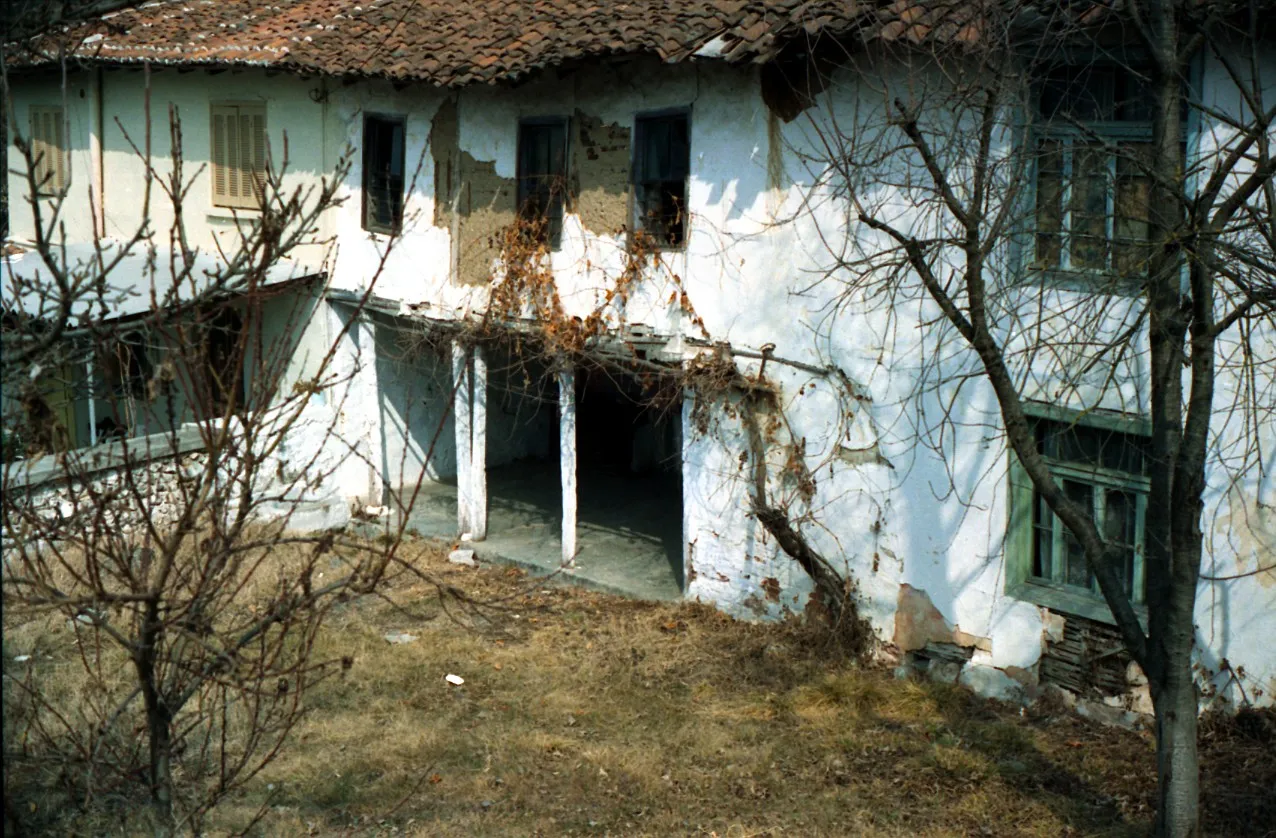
x=102 y=186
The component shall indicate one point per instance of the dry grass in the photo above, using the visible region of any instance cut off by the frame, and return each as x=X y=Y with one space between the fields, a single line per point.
x=583 y=714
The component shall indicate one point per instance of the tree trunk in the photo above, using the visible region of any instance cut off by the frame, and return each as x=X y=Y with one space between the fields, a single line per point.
x=160 y=734
x=1177 y=766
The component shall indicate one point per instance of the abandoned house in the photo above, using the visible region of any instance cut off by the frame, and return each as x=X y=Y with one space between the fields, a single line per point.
x=665 y=166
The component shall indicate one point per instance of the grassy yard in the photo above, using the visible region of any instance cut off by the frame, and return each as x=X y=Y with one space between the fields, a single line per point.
x=585 y=714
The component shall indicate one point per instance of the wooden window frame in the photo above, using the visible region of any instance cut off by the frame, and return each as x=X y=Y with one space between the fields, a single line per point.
x=1024 y=504
x=642 y=180
x=51 y=170
x=227 y=169
x=532 y=191
x=394 y=190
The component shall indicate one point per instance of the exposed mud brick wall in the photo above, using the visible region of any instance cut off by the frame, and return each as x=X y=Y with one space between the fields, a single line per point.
x=444 y=138
x=600 y=174
x=470 y=199
x=486 y=206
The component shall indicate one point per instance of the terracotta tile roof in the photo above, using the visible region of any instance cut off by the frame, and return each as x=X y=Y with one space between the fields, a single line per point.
x=457 y=42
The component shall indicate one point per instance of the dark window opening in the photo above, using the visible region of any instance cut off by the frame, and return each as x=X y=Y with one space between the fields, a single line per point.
x=224 y=346
x=542 y=178
x=382 y=174
x=662 y=162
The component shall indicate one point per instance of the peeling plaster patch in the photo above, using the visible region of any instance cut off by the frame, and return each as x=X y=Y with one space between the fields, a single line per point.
x=600 y=174
x=470 y=199
x=486 y=207
x=443 y=140
x=772 y=587
x=775 y=174
x=918 y=623
x=1052 y=631
x=871 y=456
x=961 y=638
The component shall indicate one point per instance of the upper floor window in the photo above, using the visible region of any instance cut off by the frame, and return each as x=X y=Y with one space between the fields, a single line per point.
x=542 y=177
x=662 y=163
x=239 y=154
x=1101 y=469
x=382 y=174
x=49 y=149
x=1092 y=189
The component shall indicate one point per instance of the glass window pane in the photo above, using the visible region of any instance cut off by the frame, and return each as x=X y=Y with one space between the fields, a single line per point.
x=1076 y=572
x=1049 y=202
x=1118 y=528
x=1130 y=214
x=1089 y=208
x=1043 y=539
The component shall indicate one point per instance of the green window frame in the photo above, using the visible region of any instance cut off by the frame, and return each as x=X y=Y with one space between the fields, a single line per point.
x=1091 y=190
x=1098 y=459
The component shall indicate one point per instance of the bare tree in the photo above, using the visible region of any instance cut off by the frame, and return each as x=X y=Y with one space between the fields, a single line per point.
x=1146 y=273
x=173 y=546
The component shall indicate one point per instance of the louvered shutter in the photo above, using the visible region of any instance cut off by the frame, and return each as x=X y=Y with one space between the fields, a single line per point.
x=48 y=150
x=221 y=186
x=239 y=154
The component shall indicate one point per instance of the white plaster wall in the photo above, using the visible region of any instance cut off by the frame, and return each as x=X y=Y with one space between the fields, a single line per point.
x=74 y=94
x=935 y=516
x=295 y=142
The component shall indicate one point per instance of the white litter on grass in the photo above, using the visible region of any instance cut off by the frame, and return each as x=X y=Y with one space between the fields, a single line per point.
x=22 y=658
x=454 y=680
x=400 y=637
x=462 y=557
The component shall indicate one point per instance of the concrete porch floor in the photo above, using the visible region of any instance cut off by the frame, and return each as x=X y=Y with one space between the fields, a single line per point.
x=629 y=527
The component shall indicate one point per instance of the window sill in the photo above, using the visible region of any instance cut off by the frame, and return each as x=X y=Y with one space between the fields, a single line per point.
x=1070 y=602
x=229 y=214
x=1084 y=281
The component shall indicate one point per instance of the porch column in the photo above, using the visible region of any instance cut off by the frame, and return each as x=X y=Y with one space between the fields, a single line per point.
x=478 y=447
x=368 y=405
x=461 y=414
x=88 y=381
x=567 y=459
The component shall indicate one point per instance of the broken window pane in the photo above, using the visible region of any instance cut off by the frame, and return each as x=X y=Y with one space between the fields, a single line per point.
x=542 y=177
x=382 y=174
x=662 y=162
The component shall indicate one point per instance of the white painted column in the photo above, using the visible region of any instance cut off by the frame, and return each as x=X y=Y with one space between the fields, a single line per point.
x=88 y=371
x=478 y=447
x=567 y=459
x=461 y=415
x=368 y=404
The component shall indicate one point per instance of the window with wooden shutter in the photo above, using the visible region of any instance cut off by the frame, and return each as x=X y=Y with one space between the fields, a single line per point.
x=239 y=155
x=48 y=149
